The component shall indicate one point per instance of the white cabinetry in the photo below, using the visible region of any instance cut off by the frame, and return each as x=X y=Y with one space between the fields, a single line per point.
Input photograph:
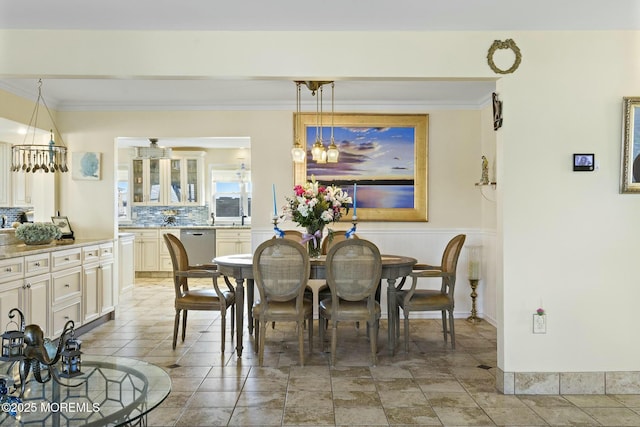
x=126 y=267
x=35 y=290
x=22 y=188
x=146 y=249
x=229 y=242
x=97 y=283
x=164 y=261
x=5 y=170
x=178 y=181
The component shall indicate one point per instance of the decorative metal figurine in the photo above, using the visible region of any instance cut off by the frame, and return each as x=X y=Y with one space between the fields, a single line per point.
x=35 y=354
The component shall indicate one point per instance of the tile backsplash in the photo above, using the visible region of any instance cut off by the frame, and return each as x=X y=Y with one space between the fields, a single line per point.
x=11 y=214
x=144 y=216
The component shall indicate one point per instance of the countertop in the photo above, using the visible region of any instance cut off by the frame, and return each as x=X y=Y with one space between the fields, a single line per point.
x=21 y=249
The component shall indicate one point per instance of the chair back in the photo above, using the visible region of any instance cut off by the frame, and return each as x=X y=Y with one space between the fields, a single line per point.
x=449 y=264
x=281 y=270
x=332 y=239
x=179 y=261
x=353 y=269
x=294 y=235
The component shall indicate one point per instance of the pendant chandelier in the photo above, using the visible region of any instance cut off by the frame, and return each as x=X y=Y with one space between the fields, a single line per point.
x=318 y=151
x=33 y=157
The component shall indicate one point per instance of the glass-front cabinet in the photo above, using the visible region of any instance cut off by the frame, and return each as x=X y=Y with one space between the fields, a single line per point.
x=175 y=181
x=146 y=181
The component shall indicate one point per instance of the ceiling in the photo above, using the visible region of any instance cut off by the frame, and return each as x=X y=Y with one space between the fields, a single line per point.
x=239 y=15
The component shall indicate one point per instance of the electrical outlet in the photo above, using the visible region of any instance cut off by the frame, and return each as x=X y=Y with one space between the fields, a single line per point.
x=539 y=324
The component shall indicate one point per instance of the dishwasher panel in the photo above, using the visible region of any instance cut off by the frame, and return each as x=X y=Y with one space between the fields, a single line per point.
x=200 y=244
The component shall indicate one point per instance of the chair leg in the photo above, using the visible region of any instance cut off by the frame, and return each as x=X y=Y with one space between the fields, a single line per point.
x=334 y=342
x=300 y=327
x=406 y=331
x=321 y=329
x=184 y=324
x=444 y=324
x=176 y=325
x=263 y=333
x=374 y=342
x=311 y=334
x=452 y=330
x=224 y=329
x=256 y=330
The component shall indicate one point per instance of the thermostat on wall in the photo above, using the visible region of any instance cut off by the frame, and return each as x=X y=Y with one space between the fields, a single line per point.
x=583 y=162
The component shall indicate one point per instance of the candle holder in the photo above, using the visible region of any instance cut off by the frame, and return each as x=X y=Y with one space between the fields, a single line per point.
x=474 y=277
x=350 y=232
x=278 y=232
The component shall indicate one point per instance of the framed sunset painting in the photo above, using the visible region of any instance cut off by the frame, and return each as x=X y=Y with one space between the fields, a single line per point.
x=385 y=154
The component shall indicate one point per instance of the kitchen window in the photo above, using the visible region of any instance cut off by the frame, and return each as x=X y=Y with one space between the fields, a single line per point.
x=231 y=195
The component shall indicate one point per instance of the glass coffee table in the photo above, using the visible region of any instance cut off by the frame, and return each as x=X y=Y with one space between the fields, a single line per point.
x=111 y=391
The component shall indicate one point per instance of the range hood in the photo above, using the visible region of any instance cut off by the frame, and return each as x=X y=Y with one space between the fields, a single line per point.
x=153 y=151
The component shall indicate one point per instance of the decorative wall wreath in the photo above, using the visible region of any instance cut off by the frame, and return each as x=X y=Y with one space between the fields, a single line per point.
x=507 y=44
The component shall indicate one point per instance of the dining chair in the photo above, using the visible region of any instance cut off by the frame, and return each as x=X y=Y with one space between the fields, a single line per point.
x=415 y=299
x=186 y=299
x=332 y=239
x=353 y=269
x=280 y=271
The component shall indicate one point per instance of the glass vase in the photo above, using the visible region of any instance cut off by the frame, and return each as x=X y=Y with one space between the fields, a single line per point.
x=314 y=241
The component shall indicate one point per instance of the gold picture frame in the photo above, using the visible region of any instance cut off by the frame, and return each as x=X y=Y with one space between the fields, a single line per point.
x=385 y=154
x=631 y=146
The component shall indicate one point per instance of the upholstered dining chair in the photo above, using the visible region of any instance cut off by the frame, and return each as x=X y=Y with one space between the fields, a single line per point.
x=415 y=299
x=353 y=269
x=186 y=299
x=280 y=271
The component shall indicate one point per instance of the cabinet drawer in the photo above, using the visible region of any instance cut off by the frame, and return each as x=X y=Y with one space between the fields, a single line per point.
x=11 y=269
x=90 y=254
x=63 y=314
x=106 y=252
x=36 y=264
x=146 y=234
x=65 y=259
x=66 y=284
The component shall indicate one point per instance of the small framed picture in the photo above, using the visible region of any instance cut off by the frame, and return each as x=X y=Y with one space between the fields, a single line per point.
x=583 y=162
x=63 y=224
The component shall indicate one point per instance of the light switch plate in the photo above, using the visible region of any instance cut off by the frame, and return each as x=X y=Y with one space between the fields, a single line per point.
x=539 y=324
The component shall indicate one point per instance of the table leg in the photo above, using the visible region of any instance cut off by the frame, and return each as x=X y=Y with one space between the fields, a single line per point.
x=391 y=315
x=239 y=313
x=250 y=290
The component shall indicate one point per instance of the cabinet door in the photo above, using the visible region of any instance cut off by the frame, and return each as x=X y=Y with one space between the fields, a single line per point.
x=126 y=268
x=36 y=301
x=147 y=255
x=90 y=292
x=146 y=185
x=5 y=170
x=174 y=193
x=193 y=182
x=22 y=184
x=138 y=181
x=106 y=287
x=10 y=297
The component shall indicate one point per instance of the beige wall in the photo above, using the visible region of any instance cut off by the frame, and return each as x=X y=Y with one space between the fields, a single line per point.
x=564 y=240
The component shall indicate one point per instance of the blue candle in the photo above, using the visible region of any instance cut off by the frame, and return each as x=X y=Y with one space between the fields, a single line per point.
x=355 y=187
x=275 y=205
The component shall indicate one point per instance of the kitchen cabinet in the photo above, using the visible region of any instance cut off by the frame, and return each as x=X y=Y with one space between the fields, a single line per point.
x=164 y=260
x=235 y=241
x=97 y=281
x=146 y=256
x=126 y=267
x=178 y=181
x=5 y=170
x=22 y=186
x=35 y=299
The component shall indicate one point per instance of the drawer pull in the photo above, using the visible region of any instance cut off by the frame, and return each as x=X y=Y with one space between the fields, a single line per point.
x=66 y=285
x=8 y=269
x=66 y=317
x=28 y=285
x=37 y=264
x=67 y=258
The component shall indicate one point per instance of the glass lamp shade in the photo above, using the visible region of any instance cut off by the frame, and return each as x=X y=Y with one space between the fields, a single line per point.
x=297 y=154
x=332 y=153
x=317 y=150
x=475 y=262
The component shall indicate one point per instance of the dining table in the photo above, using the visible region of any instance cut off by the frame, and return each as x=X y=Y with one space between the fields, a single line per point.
x=240 y=268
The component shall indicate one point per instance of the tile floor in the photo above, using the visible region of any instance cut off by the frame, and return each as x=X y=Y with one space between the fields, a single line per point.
x=431 y=386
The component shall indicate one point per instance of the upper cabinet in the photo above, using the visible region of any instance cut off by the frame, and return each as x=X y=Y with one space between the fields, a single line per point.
x=175 y=181
x=5 y=170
